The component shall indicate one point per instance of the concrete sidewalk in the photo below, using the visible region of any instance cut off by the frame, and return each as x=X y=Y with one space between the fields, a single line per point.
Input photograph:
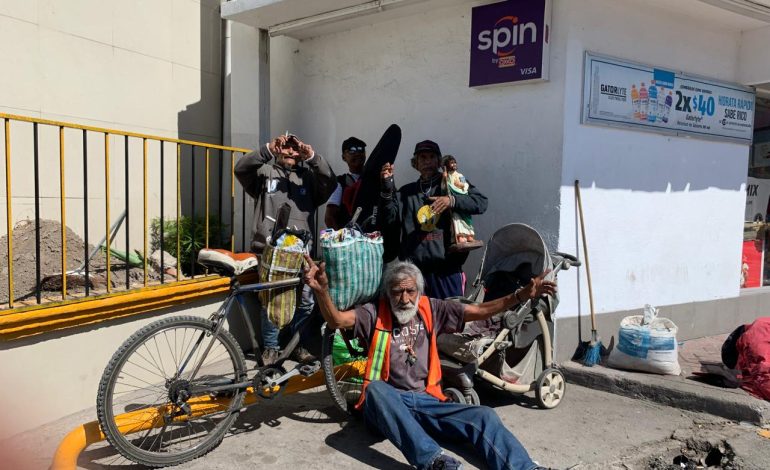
x=682 y=391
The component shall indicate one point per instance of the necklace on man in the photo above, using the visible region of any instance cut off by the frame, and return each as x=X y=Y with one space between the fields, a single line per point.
x=430 y=187
x=411 y=356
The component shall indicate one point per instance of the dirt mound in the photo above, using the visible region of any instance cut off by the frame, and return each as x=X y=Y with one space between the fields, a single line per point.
x=24 y=276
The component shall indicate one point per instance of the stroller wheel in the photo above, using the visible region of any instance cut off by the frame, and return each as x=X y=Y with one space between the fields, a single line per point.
x=549 y=389
x=456 y=396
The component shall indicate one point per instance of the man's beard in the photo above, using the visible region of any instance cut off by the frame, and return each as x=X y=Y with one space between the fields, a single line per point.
x=404 y=313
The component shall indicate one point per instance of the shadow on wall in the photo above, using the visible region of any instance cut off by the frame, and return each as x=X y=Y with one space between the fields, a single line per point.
x=201 y=121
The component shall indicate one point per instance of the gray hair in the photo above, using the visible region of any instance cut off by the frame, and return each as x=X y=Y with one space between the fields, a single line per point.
x=398 y=271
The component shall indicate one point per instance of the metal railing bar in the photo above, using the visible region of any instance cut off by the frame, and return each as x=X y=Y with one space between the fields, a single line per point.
x=104 y=130
x=63 y=204
x=192 y=219
x=219 y=196
x=85 y=212
x=178 y=209
x=107 y=208
x=162 y=221
x=36 y=159
x=208 y=213
x=127 y=196
x=8 y=213
x=232 y=201
x=144 y=199
x=243 y=219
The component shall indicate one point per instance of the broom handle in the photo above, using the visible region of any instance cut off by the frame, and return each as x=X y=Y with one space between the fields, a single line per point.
x=585 y=254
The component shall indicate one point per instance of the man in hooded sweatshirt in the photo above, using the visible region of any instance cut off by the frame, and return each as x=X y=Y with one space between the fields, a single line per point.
x=285 y=170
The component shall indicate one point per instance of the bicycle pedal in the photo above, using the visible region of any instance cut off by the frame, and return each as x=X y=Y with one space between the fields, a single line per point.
x=309 y=369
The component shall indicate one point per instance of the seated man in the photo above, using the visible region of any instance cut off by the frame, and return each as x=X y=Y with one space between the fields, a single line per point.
x=402 y=395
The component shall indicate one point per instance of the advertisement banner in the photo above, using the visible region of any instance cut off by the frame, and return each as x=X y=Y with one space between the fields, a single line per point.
x=510 y=42
x=626 y=94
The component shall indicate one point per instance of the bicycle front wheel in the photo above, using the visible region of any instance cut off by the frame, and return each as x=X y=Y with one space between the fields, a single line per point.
x=343 y=365
x=150 y=406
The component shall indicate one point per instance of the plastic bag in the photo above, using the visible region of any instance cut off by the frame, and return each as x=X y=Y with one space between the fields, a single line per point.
x=341 y=354
x=353 y=266
x=647 y=343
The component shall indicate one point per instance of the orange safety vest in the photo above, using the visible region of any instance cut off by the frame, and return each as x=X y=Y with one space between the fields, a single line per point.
x=378 y=362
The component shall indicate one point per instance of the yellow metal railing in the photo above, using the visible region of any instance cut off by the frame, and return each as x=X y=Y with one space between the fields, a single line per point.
x=109 y=228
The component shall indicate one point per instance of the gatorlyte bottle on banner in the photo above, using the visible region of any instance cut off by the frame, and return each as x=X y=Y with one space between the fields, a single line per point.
x=635 y=101
x=643 y=101
x=652 y=107
x=667 y=106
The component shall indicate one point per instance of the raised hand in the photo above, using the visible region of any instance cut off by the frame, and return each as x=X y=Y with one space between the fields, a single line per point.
x=315 y=275
x=386 y=178
x=537 y=287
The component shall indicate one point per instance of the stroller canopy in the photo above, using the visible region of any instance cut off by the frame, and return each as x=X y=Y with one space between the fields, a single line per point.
x=510 y=247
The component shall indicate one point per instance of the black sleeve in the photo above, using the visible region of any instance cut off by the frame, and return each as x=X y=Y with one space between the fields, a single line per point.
x=472 y=203
x=324 y=180
x=388 y=213
x=246 y=170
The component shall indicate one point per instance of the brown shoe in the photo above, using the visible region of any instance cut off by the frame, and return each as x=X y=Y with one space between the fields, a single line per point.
x=302 y=355
x=269 y=356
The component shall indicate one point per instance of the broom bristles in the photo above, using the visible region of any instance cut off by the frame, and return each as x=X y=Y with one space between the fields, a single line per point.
x=593 y=354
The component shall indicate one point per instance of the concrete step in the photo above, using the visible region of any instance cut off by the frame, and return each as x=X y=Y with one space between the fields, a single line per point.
x=675 y=391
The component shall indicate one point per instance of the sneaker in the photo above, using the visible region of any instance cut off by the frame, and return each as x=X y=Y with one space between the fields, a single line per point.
x=446 y=462
x=270 y=355
x=302 y=355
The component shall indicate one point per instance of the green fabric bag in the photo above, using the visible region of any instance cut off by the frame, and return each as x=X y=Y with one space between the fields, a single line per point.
x=276 y=265
x=341 y=354
x=354 y=269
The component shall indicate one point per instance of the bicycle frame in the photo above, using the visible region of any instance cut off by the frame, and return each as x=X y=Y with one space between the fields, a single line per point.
x=235 y=297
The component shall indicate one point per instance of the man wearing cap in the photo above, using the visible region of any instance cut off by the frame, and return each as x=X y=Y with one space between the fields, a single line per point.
x=339 y=207
x=420 y=209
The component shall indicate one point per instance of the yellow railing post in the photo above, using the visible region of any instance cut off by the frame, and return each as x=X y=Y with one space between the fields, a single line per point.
x=232 y=201
x=8 y=212
x=63 y=198
x=107 y=206
x=178 y=210
x=144 y=192
x=207 y=198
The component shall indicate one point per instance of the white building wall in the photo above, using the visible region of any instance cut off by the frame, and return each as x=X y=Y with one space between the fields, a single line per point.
x=145 y=66
x=663 y=214
x=752 y=69
x=414 y=72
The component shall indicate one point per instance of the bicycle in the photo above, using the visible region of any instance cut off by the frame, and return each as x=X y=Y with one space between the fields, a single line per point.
x=172 y=390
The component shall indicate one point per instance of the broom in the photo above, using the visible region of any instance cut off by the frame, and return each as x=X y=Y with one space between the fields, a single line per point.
x=592 y=348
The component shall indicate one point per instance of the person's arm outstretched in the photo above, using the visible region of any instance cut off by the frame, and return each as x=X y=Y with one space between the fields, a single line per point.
x=537 y=287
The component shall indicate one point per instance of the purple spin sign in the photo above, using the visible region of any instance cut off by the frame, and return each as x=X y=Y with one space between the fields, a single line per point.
x=510 y=42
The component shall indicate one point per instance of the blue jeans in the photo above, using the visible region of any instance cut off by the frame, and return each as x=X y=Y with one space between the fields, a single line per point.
x=301 y=315
x=442 y=286
x=410 y=420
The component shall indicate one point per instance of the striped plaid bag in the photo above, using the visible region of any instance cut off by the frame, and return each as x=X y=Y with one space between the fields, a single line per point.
x=278 y=264
x=354 y=268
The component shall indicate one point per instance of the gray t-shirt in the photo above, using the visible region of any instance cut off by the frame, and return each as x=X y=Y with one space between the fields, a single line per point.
x=447 y=318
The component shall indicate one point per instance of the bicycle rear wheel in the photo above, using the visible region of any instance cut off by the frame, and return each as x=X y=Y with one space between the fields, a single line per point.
x=155 y=416
x=343 y=369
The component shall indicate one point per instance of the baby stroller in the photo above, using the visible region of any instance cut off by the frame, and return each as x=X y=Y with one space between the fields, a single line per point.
x=513 y=350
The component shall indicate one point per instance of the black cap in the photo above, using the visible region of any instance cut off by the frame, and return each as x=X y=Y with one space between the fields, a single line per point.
x=427 y=146
x=353 y=143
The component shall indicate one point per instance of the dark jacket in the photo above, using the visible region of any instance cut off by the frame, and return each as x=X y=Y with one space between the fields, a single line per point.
x=304 y=187
x=428 y=250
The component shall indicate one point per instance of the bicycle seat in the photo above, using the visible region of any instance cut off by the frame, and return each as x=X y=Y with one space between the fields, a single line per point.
x=227 y=262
